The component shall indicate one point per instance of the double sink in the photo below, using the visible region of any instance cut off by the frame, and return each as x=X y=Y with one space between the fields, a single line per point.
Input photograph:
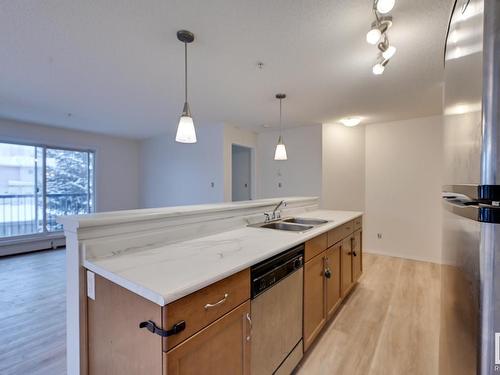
x=294 y=224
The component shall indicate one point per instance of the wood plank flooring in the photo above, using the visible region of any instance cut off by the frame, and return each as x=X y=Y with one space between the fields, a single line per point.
x=389 y=325
x=33 y=314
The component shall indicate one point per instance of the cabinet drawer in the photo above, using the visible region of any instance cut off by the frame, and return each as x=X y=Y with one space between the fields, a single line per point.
x=221 y=348
x=203 y=307
x=315 y=246
x=358 y=223
x=339 y=233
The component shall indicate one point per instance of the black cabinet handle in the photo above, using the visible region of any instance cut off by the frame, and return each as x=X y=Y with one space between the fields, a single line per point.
x=153 y=328
x=328 y=273
x=354 y=253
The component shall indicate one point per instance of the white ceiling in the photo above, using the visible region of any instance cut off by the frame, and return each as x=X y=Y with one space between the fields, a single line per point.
x=117 y=66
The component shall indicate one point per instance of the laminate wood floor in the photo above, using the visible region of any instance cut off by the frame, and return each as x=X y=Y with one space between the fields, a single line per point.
x=390 y=324
x=33 y=314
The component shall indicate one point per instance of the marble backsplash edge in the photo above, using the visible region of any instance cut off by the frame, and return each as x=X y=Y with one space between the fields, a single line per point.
x=120 y=243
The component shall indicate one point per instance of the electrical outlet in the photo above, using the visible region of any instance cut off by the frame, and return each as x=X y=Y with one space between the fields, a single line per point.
x=212 y=184
x=379 y=236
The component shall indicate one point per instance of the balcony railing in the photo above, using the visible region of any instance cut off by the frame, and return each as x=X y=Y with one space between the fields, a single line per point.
x=22 y=214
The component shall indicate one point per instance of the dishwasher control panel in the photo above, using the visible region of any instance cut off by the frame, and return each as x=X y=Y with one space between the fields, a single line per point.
x=270 y=271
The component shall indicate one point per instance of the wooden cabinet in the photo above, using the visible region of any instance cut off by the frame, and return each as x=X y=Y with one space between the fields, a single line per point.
x=357 y=255
x=337 y=234
x=216 y=322
x=346 y=266
x=315 y=246
x=332 y=268
x=351 y=259
x=116 y=345
x=215 y=338
x=314 y=298
x=222 y=348
x=330 y=271
x=203 y=307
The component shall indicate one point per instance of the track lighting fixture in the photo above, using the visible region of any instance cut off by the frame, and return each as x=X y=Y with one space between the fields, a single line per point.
x=378 y=28
x=373 y=36
x=379 y=67
x=378 y=34
x=384 y=6
x=387 y=50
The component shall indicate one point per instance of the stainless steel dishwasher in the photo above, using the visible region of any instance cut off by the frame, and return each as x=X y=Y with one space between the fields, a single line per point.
x=277 y=294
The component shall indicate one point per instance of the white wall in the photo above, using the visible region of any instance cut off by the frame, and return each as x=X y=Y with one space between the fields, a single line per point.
x=343 y=174
x=175 y=174
x=300 y=175
x=241 y=137
x=117 y=159
x=403 y=186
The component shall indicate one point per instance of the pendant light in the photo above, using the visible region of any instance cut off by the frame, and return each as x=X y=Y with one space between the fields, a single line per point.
x=185 y=130
x=280 y=153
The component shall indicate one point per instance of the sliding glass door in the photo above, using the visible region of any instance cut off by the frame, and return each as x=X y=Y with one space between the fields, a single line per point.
x=39 y=183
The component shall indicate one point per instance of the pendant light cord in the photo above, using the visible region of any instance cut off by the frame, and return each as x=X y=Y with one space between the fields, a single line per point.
x=185 y=73
x=281 y=126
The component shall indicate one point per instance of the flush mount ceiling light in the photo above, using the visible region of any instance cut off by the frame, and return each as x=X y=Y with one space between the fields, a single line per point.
x=351 y=121
x=280 y=153
x=385 y=6
x=185 y=130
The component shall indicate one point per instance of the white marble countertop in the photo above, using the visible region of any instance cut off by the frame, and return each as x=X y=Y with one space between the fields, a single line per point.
x=164 y=274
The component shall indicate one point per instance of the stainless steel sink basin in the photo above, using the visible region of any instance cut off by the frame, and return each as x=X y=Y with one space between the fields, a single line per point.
x=286 y=226
x=300 y=220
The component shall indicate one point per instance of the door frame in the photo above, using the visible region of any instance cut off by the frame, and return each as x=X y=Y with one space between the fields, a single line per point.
x=253 y=184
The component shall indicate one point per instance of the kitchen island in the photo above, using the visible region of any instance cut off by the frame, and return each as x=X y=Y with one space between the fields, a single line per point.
x=150 y=262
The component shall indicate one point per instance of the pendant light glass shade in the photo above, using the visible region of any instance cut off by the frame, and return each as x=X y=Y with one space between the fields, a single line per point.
x=280 y=153
x=186 y=132
x=185 y=129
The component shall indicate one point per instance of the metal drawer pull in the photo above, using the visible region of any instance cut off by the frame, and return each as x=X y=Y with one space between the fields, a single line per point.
x=249 y=322
x=210 y=305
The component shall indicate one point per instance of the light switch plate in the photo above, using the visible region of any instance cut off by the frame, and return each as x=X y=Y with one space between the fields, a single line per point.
x=91 y=285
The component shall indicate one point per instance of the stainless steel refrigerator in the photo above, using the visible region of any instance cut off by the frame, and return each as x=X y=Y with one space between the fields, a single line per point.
x=471 y=190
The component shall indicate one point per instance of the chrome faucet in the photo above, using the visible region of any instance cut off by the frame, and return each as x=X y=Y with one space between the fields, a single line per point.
x=276 y=208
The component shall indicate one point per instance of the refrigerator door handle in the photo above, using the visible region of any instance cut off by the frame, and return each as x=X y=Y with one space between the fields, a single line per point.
x=473 y=210
x=484 y=193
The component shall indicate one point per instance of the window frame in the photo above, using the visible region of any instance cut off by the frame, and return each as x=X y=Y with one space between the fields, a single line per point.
x=44 y=146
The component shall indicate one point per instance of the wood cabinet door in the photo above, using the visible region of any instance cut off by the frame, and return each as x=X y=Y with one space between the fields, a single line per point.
x=314 y=298
x=332 y=264
x=116 y=344
x=357 y=255
x=346 y=266
x=222 y=348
